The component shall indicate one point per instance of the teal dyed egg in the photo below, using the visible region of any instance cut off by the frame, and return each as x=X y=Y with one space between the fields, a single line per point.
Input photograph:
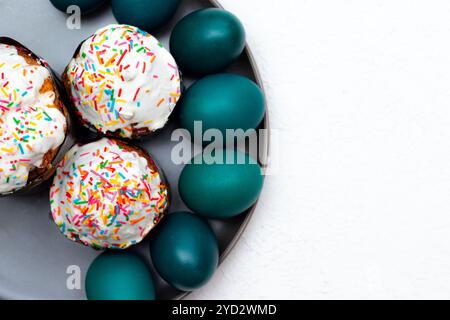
x=207 y=41
x=184 y=251
x=222 y=101
x=119 y=276
x=86 y=6
x=224 y=190
x=145 y=14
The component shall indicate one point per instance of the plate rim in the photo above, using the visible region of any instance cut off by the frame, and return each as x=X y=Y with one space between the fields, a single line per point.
x=267 y=143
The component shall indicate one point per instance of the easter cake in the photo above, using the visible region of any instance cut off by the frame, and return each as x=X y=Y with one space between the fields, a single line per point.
x=33 y=119
x=123 y=82
x=108 y=194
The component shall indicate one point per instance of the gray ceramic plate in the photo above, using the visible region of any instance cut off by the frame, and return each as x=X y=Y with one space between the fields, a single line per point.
x=34 y=256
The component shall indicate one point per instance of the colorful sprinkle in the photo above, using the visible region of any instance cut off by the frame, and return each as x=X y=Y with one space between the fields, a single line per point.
x=28 y=119
x=105 y=196
x=123 y=71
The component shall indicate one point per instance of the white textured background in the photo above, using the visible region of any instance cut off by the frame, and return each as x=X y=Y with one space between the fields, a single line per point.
x=360 y=205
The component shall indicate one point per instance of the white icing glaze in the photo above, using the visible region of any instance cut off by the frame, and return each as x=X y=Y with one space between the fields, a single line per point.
x=124 y=79
x=29 y=125
x=105 y=196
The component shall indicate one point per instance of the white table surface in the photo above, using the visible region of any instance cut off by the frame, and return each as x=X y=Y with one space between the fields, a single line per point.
x=359 y=93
